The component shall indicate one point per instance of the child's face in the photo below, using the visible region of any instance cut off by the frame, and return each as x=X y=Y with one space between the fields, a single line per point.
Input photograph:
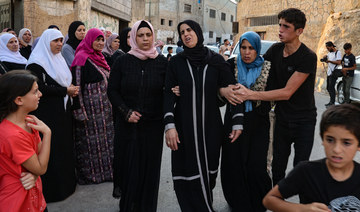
x=347 y=51
x=31 y=100
x=340 y=147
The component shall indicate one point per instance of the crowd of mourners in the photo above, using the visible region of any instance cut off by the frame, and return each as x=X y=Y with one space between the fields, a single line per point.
x=93 y=107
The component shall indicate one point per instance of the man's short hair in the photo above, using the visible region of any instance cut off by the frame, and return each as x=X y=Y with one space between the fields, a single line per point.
x=330 y=44
x=347 y=46
x=345 y=115
x=225 y=40
x=169 y=48
x=293 y=16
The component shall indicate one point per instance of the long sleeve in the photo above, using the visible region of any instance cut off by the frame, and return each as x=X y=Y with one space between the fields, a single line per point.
x=47 y=85
x=68 y=53
x=227 y=77
x=169 y=97
x=114 y=88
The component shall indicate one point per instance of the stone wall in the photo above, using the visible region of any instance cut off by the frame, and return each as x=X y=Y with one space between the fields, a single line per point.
x=39 y=14
x=327 y=20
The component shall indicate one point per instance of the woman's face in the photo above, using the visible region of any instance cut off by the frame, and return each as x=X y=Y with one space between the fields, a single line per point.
x=128 y=39
x=144 y=38
x=55 y=45
x=115 y=44
x=80 y=32
x=98 y=44
x=188 y=36
x=26 y=37
x=247 y=51
x=13 y=45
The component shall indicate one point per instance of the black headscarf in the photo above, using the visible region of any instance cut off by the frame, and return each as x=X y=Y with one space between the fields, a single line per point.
x=201 y=55
x=73 y=41
x=123 y=40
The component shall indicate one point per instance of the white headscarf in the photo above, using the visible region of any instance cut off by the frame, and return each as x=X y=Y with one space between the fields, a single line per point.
x=22 y=32
x=6 y=55
x=54 y=64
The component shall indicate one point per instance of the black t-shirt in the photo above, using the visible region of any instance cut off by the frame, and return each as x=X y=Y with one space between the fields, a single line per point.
x=312 y=181
x=349 y=61
x=301 y=105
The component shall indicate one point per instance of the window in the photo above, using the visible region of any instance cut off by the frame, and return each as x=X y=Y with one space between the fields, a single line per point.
x=170 y=22
x=212 y=13
x=264 y=20
x=211 y=34
x=223 y=16
x=187 y=8
x=232 y=18
x=231 y=37
x=162 y=21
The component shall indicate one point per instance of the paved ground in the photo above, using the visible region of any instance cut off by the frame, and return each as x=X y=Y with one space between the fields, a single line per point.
x=98 y=197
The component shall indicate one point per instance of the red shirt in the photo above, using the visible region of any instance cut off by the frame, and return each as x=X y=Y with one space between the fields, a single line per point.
x=16 y=146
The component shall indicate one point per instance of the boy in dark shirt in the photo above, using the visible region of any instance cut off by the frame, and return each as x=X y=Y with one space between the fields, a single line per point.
x=170 y=51
x=332 y=183
x=291 y=84
x=349 y=65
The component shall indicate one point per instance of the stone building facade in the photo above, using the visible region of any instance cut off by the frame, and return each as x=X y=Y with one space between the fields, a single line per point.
x=166 y=14
x=37 y=15
x=327 y=20
x=219 y=16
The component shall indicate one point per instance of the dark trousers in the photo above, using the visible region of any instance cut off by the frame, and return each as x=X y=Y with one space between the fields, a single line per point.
x=347 y=81
x=330 y=86
x=301 y=133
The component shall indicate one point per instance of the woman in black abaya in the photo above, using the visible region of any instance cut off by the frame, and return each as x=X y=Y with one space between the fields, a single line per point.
x=194 y=129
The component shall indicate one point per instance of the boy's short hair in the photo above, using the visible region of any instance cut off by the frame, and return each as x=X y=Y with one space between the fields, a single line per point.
x=169 y=48
x=345 y=115
x=347 y=46
x=293 y=16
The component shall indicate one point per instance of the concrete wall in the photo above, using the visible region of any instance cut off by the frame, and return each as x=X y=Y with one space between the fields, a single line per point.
x=222 y=29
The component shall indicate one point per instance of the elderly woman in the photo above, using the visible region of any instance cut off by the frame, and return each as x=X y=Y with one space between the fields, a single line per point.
x=76 y=34
x=26 y=41
x=244 y=176
x=136 y=88
x=94 y=130
x=10 y=56
x=47 y=63
x=194 y=129
x=112 y=44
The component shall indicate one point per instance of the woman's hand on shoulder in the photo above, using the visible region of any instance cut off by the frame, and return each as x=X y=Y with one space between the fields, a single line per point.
x=28 y=180
x=172 y=139
x=35 y=123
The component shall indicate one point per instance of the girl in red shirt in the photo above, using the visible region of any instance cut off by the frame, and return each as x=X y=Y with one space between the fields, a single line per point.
x=23 y=156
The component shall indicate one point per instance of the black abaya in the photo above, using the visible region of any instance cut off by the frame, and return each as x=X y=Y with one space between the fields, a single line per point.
x=59 y=181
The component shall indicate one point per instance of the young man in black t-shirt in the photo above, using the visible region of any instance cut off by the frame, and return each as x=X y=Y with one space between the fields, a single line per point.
x=349 y=65
x=332 y=183
x=291 y=84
